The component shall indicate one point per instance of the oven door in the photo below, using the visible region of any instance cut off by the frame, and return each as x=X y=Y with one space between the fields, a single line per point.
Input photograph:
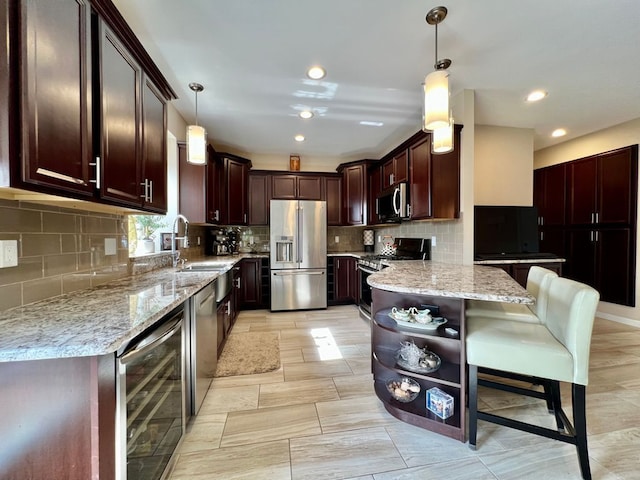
x=365 y=292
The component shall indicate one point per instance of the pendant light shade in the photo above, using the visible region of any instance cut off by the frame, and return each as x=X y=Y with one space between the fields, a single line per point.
x=436 y=113
x=436 y=100
x=442 y=138
x=196 y=136
x=196 y=145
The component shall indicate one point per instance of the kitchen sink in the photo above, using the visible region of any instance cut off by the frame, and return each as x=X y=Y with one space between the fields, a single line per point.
x=224 y=280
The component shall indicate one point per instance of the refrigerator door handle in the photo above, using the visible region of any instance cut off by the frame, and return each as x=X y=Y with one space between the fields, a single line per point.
x=297 y=272
x=300 y=230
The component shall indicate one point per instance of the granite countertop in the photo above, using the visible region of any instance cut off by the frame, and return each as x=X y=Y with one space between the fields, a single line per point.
x=99 y=320
x=449 y=280
x=348 y=254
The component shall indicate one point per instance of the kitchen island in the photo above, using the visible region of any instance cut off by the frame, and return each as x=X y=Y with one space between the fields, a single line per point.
x=442 y=288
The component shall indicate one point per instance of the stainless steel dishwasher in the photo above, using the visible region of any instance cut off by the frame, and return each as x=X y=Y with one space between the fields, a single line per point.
x=204 y=344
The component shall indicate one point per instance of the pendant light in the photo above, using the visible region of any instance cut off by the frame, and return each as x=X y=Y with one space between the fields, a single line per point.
x=436 y=114
x=196 y=135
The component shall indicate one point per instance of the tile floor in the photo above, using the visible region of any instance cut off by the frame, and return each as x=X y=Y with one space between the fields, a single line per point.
x=317 y=417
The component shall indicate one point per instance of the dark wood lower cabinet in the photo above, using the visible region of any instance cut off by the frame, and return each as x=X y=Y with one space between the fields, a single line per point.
x=344 y=280
x=604 y=258
x=519 y=271
x=251 y=291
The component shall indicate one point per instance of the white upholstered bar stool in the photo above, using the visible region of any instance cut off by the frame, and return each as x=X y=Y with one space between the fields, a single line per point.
x=538 y=281
x=557 y=351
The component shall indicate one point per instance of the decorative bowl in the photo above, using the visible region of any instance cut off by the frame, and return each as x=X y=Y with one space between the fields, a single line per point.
x=403 y=389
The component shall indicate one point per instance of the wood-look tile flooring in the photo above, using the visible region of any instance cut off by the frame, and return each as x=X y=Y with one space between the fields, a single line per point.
x=317 y=417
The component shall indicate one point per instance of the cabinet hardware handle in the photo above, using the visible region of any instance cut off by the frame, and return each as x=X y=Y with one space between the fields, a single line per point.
x=592 y=218
x=97 y=165
x=150 y=191
x=216 y=216
x=591 y=235
x=145 y=195
x=597 y=236
x=245 y=218
x=391 y=178
x=597 y=217
x=541 y=236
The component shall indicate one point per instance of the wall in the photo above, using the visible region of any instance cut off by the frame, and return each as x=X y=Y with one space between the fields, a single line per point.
x=503 y=166
x=622 y=135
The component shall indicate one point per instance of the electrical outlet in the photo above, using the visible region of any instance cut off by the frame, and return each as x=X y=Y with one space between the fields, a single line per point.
x=198 y=241
x=337 y=239
x=433 y=241
x=8 y=253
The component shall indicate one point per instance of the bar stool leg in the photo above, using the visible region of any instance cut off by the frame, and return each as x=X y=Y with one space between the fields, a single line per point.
x=557 y=403
x=580 y=425
x=473 y=406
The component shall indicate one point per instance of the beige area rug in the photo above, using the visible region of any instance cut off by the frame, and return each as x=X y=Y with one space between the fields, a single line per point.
x=246 y=353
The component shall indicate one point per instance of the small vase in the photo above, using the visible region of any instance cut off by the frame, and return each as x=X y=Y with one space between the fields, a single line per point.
x=148 y=245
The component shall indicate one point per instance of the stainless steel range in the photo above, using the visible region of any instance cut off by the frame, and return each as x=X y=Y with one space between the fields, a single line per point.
x=406 y=249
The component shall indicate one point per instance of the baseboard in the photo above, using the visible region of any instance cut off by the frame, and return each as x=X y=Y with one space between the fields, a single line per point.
x=619 y=319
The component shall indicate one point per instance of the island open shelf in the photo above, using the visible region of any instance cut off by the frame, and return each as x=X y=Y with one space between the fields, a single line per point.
x=386 y=339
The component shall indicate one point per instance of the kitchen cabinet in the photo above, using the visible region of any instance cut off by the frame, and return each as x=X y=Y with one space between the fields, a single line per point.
x=333 y=196
x=549 y=195
x=387 y=337
x=345 y=280
x=192 y=188
x=396 y=169
x=52 y=102
x=375 y=187
x=420 y=185
x=91 y=122
x=296 y=187
x=251 y=292
x=354 y=192
x=603 y=188
x=605 y=259
x=259 y=192
x=232 y=184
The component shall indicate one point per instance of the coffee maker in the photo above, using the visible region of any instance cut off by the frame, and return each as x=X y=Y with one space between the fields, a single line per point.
x=233 y=240
x=217 y=242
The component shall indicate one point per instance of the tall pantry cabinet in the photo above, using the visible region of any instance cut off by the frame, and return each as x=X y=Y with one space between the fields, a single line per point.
x=587 y=214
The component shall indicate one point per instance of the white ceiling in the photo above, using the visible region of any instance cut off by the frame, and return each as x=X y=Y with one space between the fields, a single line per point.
x=251 y=57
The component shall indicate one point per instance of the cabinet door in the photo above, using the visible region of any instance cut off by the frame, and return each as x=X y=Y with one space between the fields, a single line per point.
x=549 y=195
x=237 y=192
x=354 y=194
x=283 y=187
x=333 y=188
x=615 y=266
x=215 y=187
x=343 y=279
x=445 y=181
x=259 y=198
x=120 y=152
x=56 y=95
x=420 y=187
x=581 y=262
x=154 y=151
x=191 y=187
x=251 y=294
x=309 y=187
x=582 y=191
x=552 y=240
x=387 y=174
x=617 y=185
x=395 y=170
x=375 y=187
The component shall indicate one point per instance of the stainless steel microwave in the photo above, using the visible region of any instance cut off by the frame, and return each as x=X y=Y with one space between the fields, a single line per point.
x=392 y=204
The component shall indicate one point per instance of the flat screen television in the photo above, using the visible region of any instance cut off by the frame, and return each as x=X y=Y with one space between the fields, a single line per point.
x=505 y=231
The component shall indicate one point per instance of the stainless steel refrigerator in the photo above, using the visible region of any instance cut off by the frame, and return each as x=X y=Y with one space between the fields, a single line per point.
x=298 y=254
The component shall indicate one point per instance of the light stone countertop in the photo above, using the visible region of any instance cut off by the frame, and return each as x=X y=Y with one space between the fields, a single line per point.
x=449 y=280
x=349 y=254
x=520 y=260
x=99 y=320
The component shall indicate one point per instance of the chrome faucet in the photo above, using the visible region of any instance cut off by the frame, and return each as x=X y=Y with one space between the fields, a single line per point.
x=175 y=255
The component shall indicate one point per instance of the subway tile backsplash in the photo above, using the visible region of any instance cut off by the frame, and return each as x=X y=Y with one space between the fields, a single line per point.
x=59 y=251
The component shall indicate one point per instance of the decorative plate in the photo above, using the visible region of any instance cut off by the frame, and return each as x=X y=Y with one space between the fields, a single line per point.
x=403 y=389
x=431 y=326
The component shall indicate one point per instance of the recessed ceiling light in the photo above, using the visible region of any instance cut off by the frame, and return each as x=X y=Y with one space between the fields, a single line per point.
x=305 y=114
x=316 y=72
x=371 y=124
x=299 y=138
x=536 y=95
x=559 y=132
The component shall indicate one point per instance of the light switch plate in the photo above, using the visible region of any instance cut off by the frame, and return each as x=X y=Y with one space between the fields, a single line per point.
x=8 y=253
x=433 y=241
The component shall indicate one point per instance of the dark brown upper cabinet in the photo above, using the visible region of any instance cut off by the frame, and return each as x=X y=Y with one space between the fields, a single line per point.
x=549 y=195
x=396 y=169
x=602 y=188
x=232 y=184
x=333 y=189
x=46 y=96
x=297 y=187
x=83 y=106
x=259 y=192
x=375 y=187
x=354 y=192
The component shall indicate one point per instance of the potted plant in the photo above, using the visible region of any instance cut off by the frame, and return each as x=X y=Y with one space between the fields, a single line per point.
x=146 y=225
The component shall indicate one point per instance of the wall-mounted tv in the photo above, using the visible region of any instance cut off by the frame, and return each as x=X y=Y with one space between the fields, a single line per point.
x=505 y=230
